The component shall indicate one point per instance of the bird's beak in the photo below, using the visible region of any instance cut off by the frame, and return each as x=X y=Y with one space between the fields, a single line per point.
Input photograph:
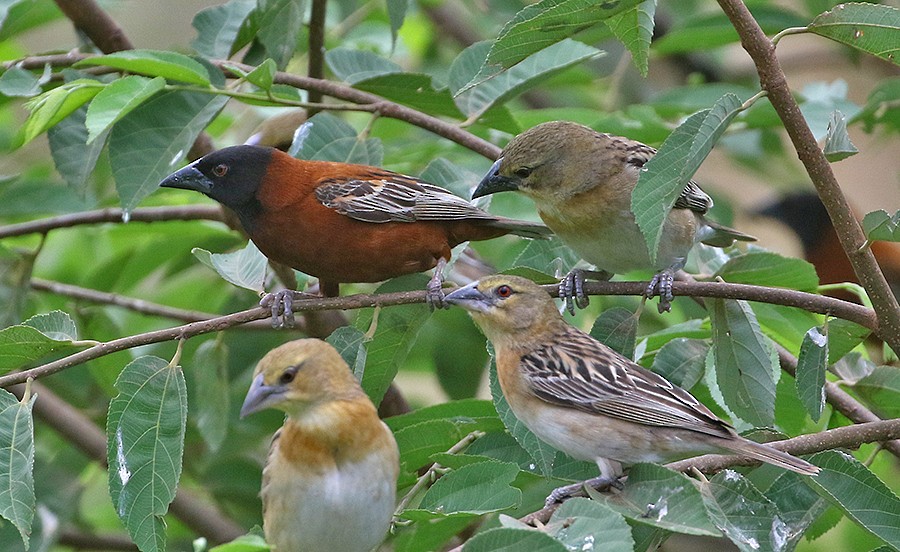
x=494 y=182
x=188 y=178
x=470 y=298
x=259 y=397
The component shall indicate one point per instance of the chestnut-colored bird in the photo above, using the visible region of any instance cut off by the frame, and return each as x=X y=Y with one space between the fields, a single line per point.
x=330 y=479
x=581 y=182
x=586 y=399
x=340 y=222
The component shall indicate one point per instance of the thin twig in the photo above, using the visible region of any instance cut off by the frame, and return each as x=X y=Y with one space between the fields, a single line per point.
x=316 y=54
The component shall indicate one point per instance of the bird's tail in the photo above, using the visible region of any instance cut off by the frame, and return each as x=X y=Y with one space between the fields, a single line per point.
x=773 y=456
x=718 y=235
x=524 y=228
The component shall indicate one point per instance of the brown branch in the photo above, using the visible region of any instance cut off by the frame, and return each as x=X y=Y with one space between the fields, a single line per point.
x=841 y=437
x=96 y=24
x=76 y=428
x=316 y=54
x=114 y=215
x=773 y=80
x=79 y=540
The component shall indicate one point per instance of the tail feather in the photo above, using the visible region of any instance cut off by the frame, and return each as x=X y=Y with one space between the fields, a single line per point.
x=524 y=228
x=773 y=456
x=718 y=235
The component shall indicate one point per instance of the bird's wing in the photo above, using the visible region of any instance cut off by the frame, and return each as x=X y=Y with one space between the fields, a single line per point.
x=383 y=196
x=576 y=370
x=692 y=197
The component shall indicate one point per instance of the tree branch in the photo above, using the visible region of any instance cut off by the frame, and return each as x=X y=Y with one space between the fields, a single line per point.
x=114 y=215
x=316 y=69
x=76 y=428
x=841 y=437
x=773 y=80
x=78 y=540
x=96 y=24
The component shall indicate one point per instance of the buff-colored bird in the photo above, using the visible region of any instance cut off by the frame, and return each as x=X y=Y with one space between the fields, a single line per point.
x=587 y=400
x=330 y=479
x=581 y=182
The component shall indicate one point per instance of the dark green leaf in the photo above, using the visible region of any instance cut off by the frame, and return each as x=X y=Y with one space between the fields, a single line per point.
x=764 y=268
x=16 y=81
x=212 y=399
x=664 y=177
x=879 y=225
x=154 y=63
x=798 y=505
x=119 y=98
x=506 y=539
x=412 y=89
x=702 y=32
x=843 y=336
x=218 y=27
x=279 y=26
x=872 y=28
x=145 y=440
x=331 y=139
x=471 y=490
x=617 y=329
x=837 y=141
x=15 y=280
x=396 y=14
x=881 y=391
x=550 y=256
x=419 y=442
x=263 y=76
x=74 y=158
x=245 y=268
x=634 y=28
x=17 y=501
x=461 y=411
x=811 y=366
x=682 y=361
x=353 y=66
x=583 y=524
x=745 y=362
x=350 y=342
x=38 y=336
x=746 y=517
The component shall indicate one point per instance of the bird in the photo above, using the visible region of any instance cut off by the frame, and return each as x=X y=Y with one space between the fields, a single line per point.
x=587 y=400
x=581 y=182
x=342 y=222
x=329 y=481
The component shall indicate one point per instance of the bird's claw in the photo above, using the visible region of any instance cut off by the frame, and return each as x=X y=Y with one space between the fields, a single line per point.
x=280 y=304
x=434 y=295
x=571 y=290
x=601 y=483
x=661 y=284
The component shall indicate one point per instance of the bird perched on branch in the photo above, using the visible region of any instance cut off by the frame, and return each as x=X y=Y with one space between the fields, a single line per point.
x=341 y=222
x=581 y=182
x=587 y=400
x=330 y=479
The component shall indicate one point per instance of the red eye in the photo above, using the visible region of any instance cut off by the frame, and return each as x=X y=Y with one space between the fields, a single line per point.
x=220 y=170
x=504 y=291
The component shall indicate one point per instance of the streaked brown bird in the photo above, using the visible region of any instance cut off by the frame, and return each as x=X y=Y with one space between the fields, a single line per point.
x=340 y=222
x=330 y=479
x=581 y=182
x=587 y=400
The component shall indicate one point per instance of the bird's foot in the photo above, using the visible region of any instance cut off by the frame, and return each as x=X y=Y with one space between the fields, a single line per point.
x=601 y=483
x=571 y=287
x=280 y=304
x=661 y=284
x=434 y=292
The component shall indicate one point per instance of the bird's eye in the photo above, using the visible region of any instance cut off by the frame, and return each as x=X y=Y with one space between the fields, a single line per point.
x=523 y=172
x=288 y=375
x=220 y=170
x=504 y=291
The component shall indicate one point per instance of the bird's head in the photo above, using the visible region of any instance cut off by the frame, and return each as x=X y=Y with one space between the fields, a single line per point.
x=507 y=306
x=540 y=160
x=297 y=375
x=232 y=176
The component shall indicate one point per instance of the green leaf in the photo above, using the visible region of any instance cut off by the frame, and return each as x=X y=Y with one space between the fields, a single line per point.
x=764 y=268
x=331 y=139
x=40 y=335
x=263 y=76
x=245 y=268
x=682 y=361
x=476 y=100
x=665 y=175
x=353 y=66
x=15 y=284
x=462 y=411
x=53 y=106
x=279 y=23
x=350 y=342
x=798 y=505
x=17 y=501
x=5 y=8
x=212 y=400
x=881 y=391
x=634 y=28
x=506 y=539
x=864 y=498
x=116 y=100
x=153 y=63
x=852 y=368
x=413 y=89
x=746 y=363
x=145 y=441
x=581 y=522
x=218 y=27
x=745 y=515
x=882 y=106
x=18 y=82
x=542 y=453
x=617 y=329
x=151 y=141
x=662 y=498
x=394 y=337
x=244 y=543
x=396 y=14
x=880 y=226
x=471 y=490
x=843 y=336
x=419 y=442
x=837 y=141
x=550 y=256
x=872 y=28
x=811 y=366
x=706 y=31
x=543 y=24
x=74 y=158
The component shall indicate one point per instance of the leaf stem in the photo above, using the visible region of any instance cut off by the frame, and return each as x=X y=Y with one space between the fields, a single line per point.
x=786 y=32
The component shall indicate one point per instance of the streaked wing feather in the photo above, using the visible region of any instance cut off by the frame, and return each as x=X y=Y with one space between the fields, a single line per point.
x=576 y=370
